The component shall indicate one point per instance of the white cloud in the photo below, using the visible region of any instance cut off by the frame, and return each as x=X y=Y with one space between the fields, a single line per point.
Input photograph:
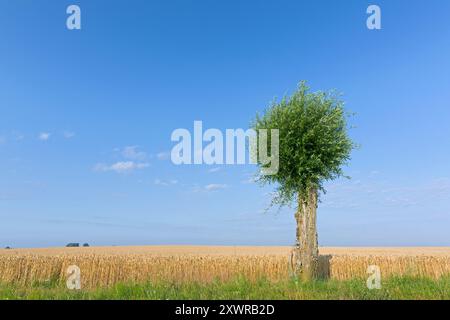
x=215 y=187
x=249 y=178
x=17 y=136
x=164 y=183
x=163 y=155
x=214 y=169
x=133 y=153
x=44 y=136
x=69 y=134
x=364 y=192
x=249 y=181
x=133 y=159
x=121 y=166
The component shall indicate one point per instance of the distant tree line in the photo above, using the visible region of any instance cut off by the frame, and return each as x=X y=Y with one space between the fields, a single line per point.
x=75 y=245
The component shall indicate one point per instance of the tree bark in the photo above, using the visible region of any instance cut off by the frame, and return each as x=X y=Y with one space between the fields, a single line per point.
x=307 y=248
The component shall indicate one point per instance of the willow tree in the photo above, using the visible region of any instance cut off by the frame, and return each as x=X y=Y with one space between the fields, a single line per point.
x=314 y=145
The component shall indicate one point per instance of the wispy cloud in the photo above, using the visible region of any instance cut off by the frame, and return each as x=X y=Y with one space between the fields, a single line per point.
x=216 y=169
x=248 y=180
x=368 y=192
x=68 y=134
x=132 y=159
x=17 y=136
x=2 y=139
x=163 y=155
x=215 y=187
x=44 y=136
x=134 y=153
x=165 y=183
x=121 y=166
x=92 y=222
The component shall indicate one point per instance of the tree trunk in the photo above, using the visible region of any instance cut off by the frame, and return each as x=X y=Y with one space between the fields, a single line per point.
x=307 y=248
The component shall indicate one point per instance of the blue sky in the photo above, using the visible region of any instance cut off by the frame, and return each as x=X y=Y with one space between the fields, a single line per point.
x=76 y=105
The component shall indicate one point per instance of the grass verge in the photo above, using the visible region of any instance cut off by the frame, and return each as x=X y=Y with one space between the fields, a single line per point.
x=393 y=288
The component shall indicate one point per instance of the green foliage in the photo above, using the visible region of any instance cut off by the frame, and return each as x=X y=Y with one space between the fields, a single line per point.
x=241 y=288
x=314 y=142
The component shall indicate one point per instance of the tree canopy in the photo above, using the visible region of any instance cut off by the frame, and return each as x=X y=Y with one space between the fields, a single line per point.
x=314 y=143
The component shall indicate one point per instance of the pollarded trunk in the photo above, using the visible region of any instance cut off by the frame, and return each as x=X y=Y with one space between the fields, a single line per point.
x=307 y=248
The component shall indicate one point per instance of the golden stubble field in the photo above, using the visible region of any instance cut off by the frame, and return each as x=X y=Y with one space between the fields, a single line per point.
x=105 y=266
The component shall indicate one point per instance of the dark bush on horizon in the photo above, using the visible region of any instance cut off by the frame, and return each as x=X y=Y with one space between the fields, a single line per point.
x=72 y=245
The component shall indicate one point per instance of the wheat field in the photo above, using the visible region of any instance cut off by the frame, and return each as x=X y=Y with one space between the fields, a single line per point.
x=106 y=266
